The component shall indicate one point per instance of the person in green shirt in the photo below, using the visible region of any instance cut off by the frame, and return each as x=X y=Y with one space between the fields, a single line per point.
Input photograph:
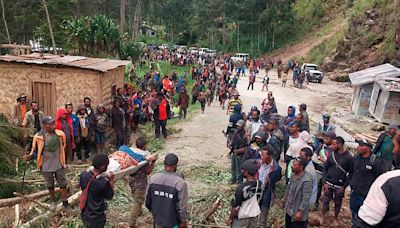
x=384 y=144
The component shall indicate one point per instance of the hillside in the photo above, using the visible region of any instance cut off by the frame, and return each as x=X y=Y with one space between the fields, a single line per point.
x=362 y=35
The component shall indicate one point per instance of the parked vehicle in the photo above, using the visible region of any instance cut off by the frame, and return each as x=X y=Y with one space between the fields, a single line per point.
x=240 y=57
x=182 y=49
x=193 y=50
x=202 y=51
x=312 y=72
x=211 y=53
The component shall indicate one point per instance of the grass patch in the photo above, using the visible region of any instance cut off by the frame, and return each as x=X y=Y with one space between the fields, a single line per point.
x=208 y=173
x=319 y=52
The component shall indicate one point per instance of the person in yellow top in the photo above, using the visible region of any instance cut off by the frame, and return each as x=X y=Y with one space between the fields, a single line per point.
x=50 y=144
x=232 y=102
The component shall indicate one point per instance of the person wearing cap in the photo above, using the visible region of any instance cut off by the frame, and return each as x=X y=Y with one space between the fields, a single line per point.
x=297 y=195
x=384 y=145
x=100 y=189
x=238 y=145
x=306 y=153
x=162 y=112
x=322 y=127
x=167 y=196
x=20 y=109
x=269 y=172
x=306 y=119
x=319 y=158
x=367 y=167
x=232 y=102
x=100 y=125
x=252 y=187
x=51 y=161
x=337 y=169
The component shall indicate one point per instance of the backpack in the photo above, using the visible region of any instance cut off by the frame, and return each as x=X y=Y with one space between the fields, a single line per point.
x=250 y=208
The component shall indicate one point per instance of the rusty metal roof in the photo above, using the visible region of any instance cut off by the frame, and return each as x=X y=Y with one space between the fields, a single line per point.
x=97 y=64
x=372 y=74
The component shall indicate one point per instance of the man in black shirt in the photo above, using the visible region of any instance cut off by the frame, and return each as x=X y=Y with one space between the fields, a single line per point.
x=338 y=166
x=252 y=187
x=99 y=189
x=365 y=170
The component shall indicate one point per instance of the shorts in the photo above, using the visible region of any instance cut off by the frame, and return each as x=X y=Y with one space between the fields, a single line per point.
x=100 y=137
x=59 y=175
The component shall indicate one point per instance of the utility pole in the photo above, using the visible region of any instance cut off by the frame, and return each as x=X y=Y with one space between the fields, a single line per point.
x=50 y=28
x=5 y=22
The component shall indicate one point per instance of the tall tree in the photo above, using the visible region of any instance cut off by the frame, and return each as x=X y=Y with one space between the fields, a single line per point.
x=53 y=40
x=5 y=21
x=122 y=16
x=137 y=19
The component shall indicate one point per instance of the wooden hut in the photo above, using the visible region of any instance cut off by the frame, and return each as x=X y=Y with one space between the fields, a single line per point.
x=53 y=79
x=363 y=83
x=385 y=101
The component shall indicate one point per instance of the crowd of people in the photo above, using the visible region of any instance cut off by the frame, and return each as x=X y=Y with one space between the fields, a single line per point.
x=260 y=143
x=316 y=171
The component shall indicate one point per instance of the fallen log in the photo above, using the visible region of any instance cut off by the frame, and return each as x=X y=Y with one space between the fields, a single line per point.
x=32 y=200
x=6 y=180
x=9 y=202
x=74 y=199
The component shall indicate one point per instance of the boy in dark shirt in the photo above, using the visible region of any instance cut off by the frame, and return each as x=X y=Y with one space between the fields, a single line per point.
x=100 y=189
x=338 y=166
x=243 y=193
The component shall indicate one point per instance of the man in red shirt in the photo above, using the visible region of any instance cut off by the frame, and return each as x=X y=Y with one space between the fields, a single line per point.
x=161 y=108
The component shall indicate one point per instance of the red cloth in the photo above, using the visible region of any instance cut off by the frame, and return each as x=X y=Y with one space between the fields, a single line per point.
x=162 y=109
x=61 y=112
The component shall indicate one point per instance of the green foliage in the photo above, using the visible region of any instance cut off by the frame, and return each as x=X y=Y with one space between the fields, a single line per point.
x=94 y=36
x=308 y=13
x=208 y=173
x=129 y=50
x=9 y=150
x=319 y=52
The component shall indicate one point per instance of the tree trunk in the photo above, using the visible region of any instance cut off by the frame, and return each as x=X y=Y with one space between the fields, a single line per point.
x=8 y=202
x=122 y=9
x=53 y=40
x=136 y=19
x=5 y=22
x=223 y=28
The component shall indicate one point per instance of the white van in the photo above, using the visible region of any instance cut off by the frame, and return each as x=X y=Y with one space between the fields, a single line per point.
x=202 y=51
x=193 y=50
x=244 y=57
x=211 y=53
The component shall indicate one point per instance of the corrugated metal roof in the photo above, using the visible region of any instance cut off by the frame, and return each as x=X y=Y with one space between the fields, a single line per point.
x=372 y=74
x=97 y=64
